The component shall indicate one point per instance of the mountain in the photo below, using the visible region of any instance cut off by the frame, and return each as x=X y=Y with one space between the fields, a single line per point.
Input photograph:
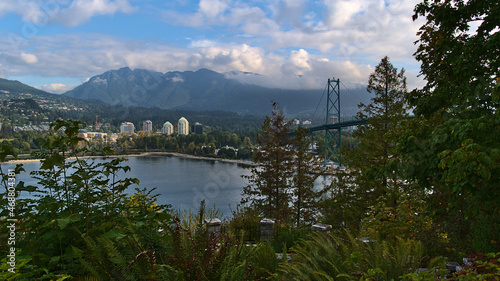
x=14 y=86
x=12 y=89
x=200 y=90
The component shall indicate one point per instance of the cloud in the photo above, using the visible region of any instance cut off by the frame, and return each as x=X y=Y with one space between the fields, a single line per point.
x=56 y=88
x=81 y=11
x=202 y=43
x=31 y=11
x=291 y=43
x=88 y=55
x=212 y=8
x=358 y=30
x=177 y=79
x=29 y=58
x=66 y=12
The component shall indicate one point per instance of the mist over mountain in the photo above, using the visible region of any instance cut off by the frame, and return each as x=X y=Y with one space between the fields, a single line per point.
x=202 y=90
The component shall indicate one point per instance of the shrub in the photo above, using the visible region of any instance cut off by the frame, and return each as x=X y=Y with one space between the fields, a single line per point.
x=346 y=257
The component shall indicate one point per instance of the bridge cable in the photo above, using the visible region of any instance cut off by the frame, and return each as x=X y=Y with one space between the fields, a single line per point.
x=320 y=100
x=351 y=93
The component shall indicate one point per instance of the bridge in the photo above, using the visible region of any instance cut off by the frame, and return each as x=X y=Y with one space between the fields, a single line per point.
x=338 y=125
x=333 y=125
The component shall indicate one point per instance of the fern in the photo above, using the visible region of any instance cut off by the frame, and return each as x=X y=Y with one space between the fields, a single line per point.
x=322 y=257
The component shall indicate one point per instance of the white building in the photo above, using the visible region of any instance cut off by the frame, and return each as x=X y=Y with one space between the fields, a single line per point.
x=127 y=128
x=147 y=126
x=168 y=128
x=183 y=126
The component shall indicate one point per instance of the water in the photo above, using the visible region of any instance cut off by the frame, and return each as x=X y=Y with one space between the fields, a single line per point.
x=180 y=182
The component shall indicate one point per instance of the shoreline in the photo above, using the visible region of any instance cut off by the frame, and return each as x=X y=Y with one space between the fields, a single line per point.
x=146 y=154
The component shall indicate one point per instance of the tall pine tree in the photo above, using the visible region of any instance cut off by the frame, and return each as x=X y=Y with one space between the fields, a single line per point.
x=270 y=181
x=374 y=162
x=306 y=199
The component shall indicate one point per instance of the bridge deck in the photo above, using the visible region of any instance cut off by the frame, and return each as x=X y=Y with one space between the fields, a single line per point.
x=338 y=125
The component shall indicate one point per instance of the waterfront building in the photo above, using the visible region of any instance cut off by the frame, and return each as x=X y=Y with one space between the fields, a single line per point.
x=197 y=128
x=127 y=128
x=183 y=126
x=147 y=126
x=168 y=128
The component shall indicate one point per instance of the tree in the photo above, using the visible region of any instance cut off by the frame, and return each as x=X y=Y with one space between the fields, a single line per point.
x=306 y=199
x=79 y=202
x=451 y=148
x=269 y=182
x=374 y=158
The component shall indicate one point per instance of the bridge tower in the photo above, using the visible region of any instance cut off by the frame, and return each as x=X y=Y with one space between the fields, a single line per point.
x=333 y=140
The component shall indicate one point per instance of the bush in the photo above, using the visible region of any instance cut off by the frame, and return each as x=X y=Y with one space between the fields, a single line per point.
x=346 y=257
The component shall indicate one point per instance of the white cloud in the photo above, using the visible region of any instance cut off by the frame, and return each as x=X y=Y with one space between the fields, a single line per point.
x=29 y=58
x=57 y=88
x=69 y=13
x=31 y=11
x=85 y=56
x=212 y=8
x=343 y=12
x=177 y=79
x=202 y=43
x=81 y=11
x=363 y=31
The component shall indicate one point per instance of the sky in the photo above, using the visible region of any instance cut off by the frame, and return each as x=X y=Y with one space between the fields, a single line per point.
x=56 y=45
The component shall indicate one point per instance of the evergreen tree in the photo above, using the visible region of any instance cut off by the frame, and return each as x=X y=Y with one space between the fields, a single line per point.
x=306 y=199
x=372 y=165
x=375 y=158
x=270 y=181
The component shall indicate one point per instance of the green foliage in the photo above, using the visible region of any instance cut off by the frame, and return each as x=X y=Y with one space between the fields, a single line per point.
x=193 y=255
x=375 y=156
x=373 y=163
x=286 y=236
x=77 y=203
x=245 y=223
x=408 y=219
x=305 y=196
x=119 y=256
x=343 y=204
x=269 y=183
x=484 y=267
x=451 y=148
x=346 y=257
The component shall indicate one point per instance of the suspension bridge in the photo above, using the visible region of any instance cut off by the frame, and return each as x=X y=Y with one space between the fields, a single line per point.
x=333 y=125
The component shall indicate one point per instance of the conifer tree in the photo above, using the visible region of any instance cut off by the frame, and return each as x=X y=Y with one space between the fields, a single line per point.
x=270 y=181
x=375 y=158
x=306 y=199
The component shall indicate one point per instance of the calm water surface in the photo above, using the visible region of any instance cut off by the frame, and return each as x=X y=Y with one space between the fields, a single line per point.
x=181 y=182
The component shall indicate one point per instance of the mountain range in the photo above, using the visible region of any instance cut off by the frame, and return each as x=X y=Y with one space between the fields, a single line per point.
x=199 y=90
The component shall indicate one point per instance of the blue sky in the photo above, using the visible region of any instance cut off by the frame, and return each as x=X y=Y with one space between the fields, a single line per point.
x=56 y=45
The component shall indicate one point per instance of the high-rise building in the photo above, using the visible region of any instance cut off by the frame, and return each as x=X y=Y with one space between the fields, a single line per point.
x=127 y=128
x=147 y=126
x=183 y=126
x=168 y=128
x=197 y=128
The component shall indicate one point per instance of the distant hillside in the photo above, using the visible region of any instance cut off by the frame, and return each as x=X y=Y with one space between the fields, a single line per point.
x=13 y=86
x=201 y=90
x=11 y=89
